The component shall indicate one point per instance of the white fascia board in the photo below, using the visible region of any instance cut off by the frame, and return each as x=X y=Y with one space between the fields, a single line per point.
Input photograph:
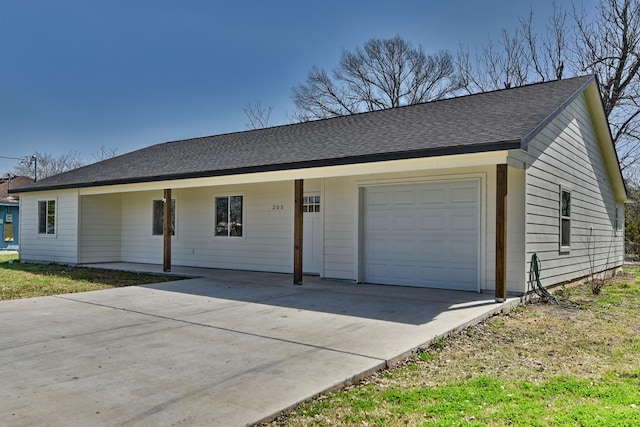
x=430 y=163
x=603 y=134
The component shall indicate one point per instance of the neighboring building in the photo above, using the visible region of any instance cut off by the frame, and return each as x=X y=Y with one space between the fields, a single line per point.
x=10 y=212
x=453 y=194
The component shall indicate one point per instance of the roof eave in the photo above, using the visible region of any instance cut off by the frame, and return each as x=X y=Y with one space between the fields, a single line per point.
x=372 y=158
x=605 y=141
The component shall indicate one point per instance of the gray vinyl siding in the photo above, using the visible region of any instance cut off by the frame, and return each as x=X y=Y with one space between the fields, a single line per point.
x=566 y=154
x=516 y=257
x=61 y=247
x=100 y=228
x=267 y=244
x=340 y=245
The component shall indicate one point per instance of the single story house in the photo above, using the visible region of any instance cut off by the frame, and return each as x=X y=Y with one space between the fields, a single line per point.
x=10 y=212
x=455 y=194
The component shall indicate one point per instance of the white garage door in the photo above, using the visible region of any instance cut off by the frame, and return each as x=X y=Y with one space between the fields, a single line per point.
x=423 y=235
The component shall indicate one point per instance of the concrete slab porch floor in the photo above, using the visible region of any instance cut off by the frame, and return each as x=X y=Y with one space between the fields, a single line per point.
x=227 y=348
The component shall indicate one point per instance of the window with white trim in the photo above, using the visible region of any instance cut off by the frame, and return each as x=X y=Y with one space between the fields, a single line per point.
x=565 y=219
x=618 y=220
x=47 y=217
x=229 y=214
x=158 y=217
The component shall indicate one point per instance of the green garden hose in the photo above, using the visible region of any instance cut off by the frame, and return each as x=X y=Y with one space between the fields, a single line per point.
x=541 y=291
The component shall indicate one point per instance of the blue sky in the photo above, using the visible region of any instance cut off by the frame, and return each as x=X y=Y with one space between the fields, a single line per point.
x=80 y=74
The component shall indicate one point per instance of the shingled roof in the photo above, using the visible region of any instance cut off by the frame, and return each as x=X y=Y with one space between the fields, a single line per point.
x=499 y=120
x=8 y=184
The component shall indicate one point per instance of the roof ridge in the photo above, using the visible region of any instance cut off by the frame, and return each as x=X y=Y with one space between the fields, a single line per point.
x=361 y=113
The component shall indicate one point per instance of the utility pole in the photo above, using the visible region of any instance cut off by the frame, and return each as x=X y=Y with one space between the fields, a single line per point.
x=35 y=168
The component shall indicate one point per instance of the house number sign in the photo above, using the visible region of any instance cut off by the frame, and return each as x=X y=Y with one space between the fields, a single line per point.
x=278 y=207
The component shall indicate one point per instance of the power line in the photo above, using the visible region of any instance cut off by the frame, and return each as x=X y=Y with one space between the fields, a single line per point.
x=32 y=159
x=14 y=158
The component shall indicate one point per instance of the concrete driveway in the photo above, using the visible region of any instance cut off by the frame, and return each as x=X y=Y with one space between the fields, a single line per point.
x=230 y=349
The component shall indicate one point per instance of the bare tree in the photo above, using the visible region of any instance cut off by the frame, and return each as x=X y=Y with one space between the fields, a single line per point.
x=524 y=56
x=607 y=45
x=104 y=153
x=386 y=73
x=43 y=165
x=494 y=67
x=548 y=51
x=258 y=115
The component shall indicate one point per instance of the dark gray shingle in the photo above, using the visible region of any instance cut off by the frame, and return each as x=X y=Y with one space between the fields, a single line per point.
x=473 y=123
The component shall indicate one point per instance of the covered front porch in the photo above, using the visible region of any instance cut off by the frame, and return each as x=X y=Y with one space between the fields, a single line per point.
x=319 y=221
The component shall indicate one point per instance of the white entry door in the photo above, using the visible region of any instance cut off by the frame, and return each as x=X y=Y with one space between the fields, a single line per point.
x=312 y=234
x=424 y=235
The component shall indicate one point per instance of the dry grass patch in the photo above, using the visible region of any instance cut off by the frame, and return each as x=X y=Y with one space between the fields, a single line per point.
x=541 y=364
x=31 y=280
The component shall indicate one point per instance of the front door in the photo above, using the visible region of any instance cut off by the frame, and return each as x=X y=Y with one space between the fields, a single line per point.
x=312 y=235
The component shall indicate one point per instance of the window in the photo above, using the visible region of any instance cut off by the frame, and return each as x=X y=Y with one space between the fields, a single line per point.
x=46 y=217
x=229 y=212
x=158 y=217
x=565 y=220
x=311 y=204
x=618 y=219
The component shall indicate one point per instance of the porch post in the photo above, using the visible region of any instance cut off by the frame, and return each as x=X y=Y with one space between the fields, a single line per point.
x=297 y=231
x=501 y=232
x=166 y=230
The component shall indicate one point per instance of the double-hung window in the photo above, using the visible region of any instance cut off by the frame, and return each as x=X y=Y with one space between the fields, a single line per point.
x=158 y=217
x=618 y=220
x=47 y=217
x=565 y=219
x=229 y=216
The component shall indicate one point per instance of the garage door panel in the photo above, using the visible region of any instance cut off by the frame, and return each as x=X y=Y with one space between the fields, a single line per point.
x=404 y=247
x=377 y=248
x=465 y=251
x=464 y=277
x=377 y=198
x=404 y=222
x=431 y=248
x=433 y=242
x=378 y=270
x=433 y=274
x=432 y=195
x=406 y=197
x=463 y=221
x=378 y=223
x=435 y=221
x=464 y=194
x=404 y=271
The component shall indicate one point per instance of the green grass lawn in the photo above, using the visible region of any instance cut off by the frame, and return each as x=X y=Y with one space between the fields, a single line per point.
x=31 y=280
x=540 y=365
